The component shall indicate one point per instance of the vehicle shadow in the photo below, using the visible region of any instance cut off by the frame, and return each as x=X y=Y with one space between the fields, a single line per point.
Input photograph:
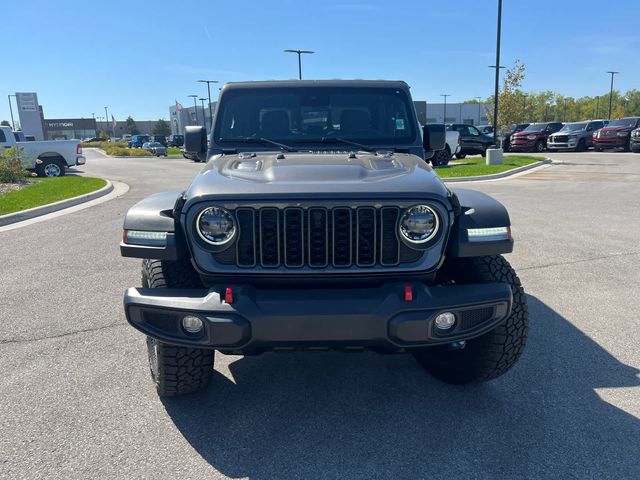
x=334 y=415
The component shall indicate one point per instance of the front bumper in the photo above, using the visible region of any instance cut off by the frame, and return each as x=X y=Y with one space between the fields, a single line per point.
x=520 y=145
x=610 y=142
x=284 y=319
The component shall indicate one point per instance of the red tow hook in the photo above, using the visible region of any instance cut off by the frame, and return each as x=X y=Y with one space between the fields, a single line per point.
x=228 y=295
x=408 y=292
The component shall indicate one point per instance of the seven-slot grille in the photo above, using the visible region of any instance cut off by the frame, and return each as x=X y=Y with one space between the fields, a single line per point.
x=319 y=237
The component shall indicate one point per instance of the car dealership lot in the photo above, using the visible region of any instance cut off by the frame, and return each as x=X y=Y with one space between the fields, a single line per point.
x=76 y=401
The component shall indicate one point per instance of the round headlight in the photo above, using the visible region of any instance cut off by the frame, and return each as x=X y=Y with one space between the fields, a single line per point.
x=215 y=226
x=419 y=224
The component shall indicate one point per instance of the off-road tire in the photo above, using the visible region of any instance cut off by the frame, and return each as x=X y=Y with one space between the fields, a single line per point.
x=175 y=370
x=441 y=157
x=50 y=167
x=582 y=145
x=494 y=353
x=460 y=156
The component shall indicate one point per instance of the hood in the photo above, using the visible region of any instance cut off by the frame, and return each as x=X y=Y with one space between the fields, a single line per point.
x=620 y=128
x=530 y=132
x=304 y=174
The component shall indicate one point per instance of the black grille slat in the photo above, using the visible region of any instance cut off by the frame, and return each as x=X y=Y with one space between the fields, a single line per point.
x=269 y=237
x=293 y=237
x=366 y=241
x=472 y=318
x=342 y=229
x=318 y=234
x=246 y=244
x=389 y=244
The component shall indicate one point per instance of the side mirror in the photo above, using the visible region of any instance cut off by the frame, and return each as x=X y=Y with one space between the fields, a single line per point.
x=195 y=141
x=434 y=137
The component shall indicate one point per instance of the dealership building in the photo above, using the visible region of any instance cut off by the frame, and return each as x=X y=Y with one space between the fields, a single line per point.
x=32 y=122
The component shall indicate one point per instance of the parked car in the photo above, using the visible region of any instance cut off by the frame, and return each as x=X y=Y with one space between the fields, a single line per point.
x=126 y=137
x=485 y=130
x=138 y=140
x=95 y=140
x=507 y=132
x=451 y=148
x=156 y=148
x=161 y=139
x=47 y=158
x=175 y=140
x=617 y=134
x=634 y=144
x=339 y=239
x=472 y=141
x=534 y=137
x=577 y=136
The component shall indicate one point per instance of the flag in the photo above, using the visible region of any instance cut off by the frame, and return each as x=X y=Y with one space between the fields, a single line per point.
x=113 y=121
x=178 y=105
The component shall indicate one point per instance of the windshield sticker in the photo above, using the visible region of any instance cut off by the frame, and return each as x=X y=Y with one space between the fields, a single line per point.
x=399 y=123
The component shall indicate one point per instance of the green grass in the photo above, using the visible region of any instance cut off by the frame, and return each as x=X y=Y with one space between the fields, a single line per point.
x=174 y=151
x=475 y=166
x=42 y=191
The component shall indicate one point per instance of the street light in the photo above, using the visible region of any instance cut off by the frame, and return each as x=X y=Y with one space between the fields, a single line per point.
x=106 y=119
x=204 y=117
x=478 y=100
x=299 y=52
x=611 y=92
x=497 y=67
x=445 y=95
x=209 y=82
x=597 y=106
x=195 y=105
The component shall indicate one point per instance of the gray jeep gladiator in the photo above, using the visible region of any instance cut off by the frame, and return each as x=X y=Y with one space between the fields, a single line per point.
x=318 y=224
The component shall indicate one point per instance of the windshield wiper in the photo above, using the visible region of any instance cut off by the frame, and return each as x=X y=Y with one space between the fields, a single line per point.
x=348 y=142
x=257 y=140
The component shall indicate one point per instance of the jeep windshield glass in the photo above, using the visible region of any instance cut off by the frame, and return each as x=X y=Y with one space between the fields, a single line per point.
x=316 y=115
x=572 y=127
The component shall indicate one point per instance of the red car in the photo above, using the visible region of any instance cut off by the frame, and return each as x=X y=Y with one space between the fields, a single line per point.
x=616 y=134
x=534 y=137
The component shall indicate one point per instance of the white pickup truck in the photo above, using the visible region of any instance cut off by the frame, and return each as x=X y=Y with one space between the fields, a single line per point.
x=46 y=158
x=452 y=147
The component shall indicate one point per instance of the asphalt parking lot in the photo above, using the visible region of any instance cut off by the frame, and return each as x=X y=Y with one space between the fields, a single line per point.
x=76 y=400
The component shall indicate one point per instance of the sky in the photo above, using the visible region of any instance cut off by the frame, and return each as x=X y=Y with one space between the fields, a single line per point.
x=138 y=57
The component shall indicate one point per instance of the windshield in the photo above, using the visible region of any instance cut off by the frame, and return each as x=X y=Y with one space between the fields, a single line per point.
x=572 y=127
x=623 y=122
x=535 y=127
x=155 y=144
x=369 y=116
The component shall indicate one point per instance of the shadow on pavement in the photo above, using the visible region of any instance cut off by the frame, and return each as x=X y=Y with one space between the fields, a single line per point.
x=340 y=415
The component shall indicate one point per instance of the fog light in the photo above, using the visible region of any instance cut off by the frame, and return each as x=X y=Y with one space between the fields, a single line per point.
x=445 y=321
x=192 y=324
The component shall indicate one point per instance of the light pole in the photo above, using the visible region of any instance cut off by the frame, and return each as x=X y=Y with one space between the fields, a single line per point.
x=497 y=67
x=99 y=118
x=195 y=105
x=204 y=117
x=209 y=82
x=445 y=95
x=13 y=124
x=479 y=116
x=106 y=119
x=93 y=115
x=611 y=92
x=524 y=107
x=299 y=52
x=597 y=106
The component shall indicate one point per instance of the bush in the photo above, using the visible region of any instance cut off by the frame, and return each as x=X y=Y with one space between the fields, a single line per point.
x=119 y=149
x=11 y=170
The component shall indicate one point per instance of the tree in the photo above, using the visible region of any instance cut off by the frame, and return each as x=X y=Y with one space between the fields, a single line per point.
x=131 y=127
x=5 y=123
x=511 y=99
x=161 y=127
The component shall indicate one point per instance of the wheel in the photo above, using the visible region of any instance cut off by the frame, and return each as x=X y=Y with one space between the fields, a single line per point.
x=582 y=146
x=539 y=146
x=460 y=156
x=441 y=157
x=597 y=149
x=484 y=152
x=50 y=167
x=175 y=370
x=627 y=146
x=494 y=353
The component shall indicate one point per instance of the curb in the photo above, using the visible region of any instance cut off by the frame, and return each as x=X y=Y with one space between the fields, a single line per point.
x=55 y=206
x=497 y=176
